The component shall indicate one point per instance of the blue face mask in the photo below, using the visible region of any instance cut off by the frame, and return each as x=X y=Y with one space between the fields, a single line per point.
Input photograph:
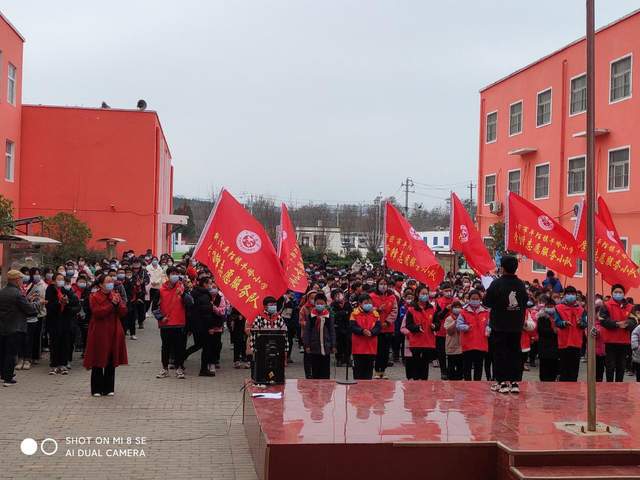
x=321 y=307
x=108 y=286
x=474 y=303
x=26 y=278
x=423 y=298
x=618 y=297
x=569 y=298
x=120 y=276
x=67 y=287
x=367 y=307
x=59 y=283
x=37 y=278
x=550 y=310
x=272 y=309
x=174 y=278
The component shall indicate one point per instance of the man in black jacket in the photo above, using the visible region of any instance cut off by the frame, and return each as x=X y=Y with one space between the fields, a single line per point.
x=507 y=298
x=14 y=311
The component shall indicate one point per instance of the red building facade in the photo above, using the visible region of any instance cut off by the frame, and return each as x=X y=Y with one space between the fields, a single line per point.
x=109 y=167
x=532 y=136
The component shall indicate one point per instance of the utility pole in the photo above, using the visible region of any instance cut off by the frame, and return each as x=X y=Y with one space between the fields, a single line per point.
x=591 y=212
x=407 y=185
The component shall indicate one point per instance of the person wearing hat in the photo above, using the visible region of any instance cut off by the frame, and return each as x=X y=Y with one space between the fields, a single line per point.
x=507 y=298
x=269 y=320
x=14 y=311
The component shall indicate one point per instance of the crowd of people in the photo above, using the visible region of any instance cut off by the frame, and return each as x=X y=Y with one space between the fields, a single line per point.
x=364 y=318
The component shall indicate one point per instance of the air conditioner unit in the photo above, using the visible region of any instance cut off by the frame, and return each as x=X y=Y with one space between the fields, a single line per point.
x=495 y=207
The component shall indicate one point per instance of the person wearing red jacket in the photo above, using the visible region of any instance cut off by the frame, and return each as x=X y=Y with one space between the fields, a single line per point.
x=106 y=348
x=365 y=327
x=422 y=326
x=443 y=310
x=616 y=328
x=571 y=320
x=169 y=311
x=473 y=325
x=386 y=304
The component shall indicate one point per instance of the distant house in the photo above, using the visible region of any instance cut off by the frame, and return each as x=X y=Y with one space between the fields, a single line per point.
x=437 y=240
x=320 y=238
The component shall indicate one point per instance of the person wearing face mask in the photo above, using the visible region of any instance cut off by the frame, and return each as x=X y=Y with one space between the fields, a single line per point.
x=142 y=302
x=407 y=358
x=269 y=320
x=473 y=325
x=443 y=310
x=21 y=336
x=452 y=345
x=341 y=311
x=62 y=307
x=84 y=269
x=35 y=293
x=156 y=279
x=571 y=320
x=308 y=303
x=422 y=326
x=290 y=314
x=106 y=348
x=365 y=327
x=547 y=340
x=170 y=312
x=82 y=289
x=616 y=332
x=320 y=338
x=220 y=307
x=200 y=323
x=386 y=304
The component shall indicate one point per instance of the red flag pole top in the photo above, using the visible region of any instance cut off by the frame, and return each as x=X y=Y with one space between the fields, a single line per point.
x=536 y=235
x=406 y=251
x=239 y=253
x=290 y=254
x=466 y=239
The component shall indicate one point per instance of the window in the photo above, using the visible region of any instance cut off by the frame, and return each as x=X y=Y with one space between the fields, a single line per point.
x=11 y=85
x=492 y=127
x=576 y=176
x=446 y=241
x=9 y=163
x=489 y=189
x=305 y=241
x=624 y=241
x=538 y=267
x=488 y=242
x=619 y=169
x=579 y=267
x=578 y=95
x=542 y=181
x=514 y=181
x=515 y=118
x=544 y=108
x=435 y=241
x=620 y=79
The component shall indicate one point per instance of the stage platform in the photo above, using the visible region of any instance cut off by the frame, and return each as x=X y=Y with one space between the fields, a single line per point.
x=383 y=429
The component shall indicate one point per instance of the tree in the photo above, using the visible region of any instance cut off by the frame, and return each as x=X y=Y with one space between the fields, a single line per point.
x=71 y=232
x=497 y=234
x=188 y=231
x=6 y=216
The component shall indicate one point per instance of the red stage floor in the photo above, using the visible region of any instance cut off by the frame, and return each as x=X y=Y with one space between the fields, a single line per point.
x=321 y=426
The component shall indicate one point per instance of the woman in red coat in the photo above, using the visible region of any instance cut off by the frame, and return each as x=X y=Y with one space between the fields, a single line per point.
x=106 y=347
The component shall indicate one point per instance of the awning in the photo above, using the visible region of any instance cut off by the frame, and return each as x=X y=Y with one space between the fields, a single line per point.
x=30 y=239
x=172 y=219
x=523 y=151
x=598 y=132
x=111 y=240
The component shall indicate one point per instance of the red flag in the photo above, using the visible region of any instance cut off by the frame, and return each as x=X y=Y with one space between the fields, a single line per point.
x=239 y=253
x=290 y=254
x=605 y=216
x=534 y=234
x=466 y=239
x=612 y=261
x=405 y=251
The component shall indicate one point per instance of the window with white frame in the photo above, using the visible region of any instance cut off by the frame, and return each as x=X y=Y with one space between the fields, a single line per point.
x=619 y=169
x=542 y=181
x=578 y=95
x=11 y=84
x=543 y=116
x=9 y=161
x=538 y=267
x=625 y=243
x=515 y=118
x=514 y=181
x=576 y=176
x=620 y=79
x=579 y=268
x=492 y=127
x=489 y=189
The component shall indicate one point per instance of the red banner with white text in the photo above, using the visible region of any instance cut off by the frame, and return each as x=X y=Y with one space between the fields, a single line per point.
x=466 y=239
x=406 y=252
x=239 y=253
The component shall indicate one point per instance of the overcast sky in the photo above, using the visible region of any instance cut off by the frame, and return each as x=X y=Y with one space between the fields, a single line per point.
x=322 y=100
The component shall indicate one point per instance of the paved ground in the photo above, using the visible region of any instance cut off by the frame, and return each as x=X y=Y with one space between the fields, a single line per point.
x=190 y=427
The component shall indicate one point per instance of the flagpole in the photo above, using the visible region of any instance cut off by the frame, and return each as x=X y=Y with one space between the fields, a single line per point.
x=591 y=210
